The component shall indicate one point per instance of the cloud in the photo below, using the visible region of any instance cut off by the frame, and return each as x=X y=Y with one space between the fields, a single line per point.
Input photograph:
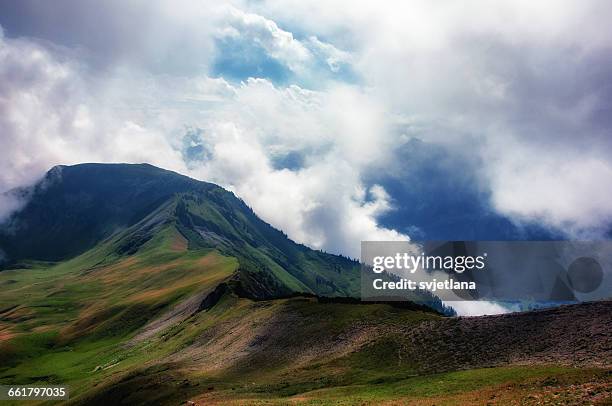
x=565 y=190
x=277 y=43
x=9 y=203
x=519 y=86
x=324 y=203
x=56 y=112
x=479 y=308
x=250 y=45
x=334 y=57
x=335 y=215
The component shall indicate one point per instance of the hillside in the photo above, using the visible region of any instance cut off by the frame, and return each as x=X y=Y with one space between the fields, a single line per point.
x=300 y=349
x=177 y=291
x=111 y=211
x=142 y=331
x=124 y=206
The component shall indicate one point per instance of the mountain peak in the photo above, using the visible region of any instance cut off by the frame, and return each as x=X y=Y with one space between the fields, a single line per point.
x=80 y=205
x=126 y=205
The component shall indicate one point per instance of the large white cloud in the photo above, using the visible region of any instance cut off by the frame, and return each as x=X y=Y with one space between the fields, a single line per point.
x=54 y=111
x=48 y=116
x=322 y=203
x=520 y=86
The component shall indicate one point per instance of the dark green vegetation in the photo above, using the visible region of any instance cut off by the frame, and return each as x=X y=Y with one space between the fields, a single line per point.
x=175 y=291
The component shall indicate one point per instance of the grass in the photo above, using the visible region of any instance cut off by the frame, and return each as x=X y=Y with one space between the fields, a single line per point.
x=75 y=317
x=503 y=385
x=77 y=323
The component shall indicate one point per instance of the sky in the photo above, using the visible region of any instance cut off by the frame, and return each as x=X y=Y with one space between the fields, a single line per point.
x=337 y=121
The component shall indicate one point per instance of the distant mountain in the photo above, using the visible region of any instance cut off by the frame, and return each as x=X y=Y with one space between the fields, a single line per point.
x=74 y=208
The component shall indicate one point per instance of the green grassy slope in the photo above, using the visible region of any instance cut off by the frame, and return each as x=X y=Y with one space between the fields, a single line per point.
x=90 y=329
x=175 y=292
x=95 y=329
x=59 y=322
x=516 y=385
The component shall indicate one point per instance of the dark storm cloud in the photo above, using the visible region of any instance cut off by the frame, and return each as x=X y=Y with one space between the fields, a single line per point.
x=436 y=197
x=114 y=32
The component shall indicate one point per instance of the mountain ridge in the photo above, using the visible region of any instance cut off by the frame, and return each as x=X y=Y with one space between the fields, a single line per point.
x=83 y=205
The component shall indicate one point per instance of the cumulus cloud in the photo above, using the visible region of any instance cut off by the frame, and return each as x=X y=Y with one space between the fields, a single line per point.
x=253 y=44
x=265 y=33
x=54 y=111
x=519 y=86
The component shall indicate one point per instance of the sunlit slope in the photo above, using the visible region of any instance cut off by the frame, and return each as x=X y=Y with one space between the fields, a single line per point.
x=104 y=317
x=95 y=297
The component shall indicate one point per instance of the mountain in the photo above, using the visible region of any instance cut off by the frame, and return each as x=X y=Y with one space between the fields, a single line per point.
x=118 y=208
x=135 y=285
x=79 y=206
x=125 y=206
